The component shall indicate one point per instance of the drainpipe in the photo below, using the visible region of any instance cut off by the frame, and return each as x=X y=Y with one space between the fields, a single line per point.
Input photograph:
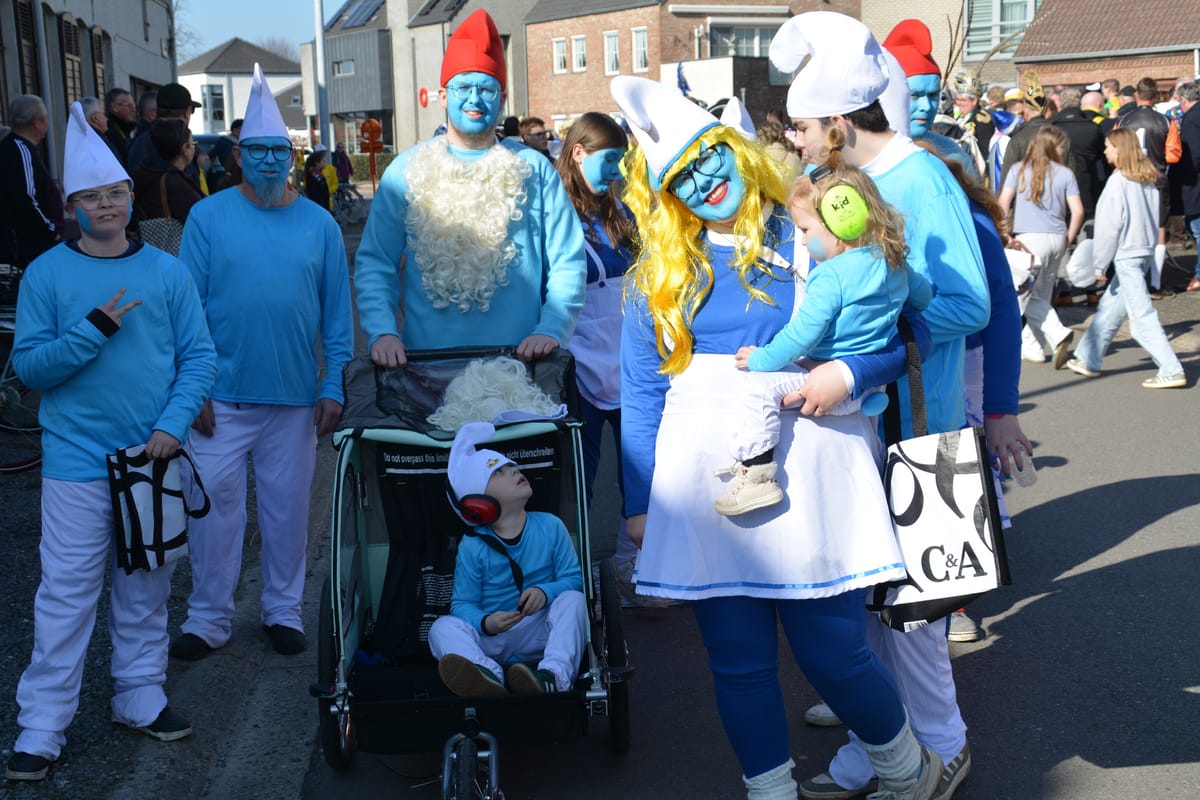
x=39 y=38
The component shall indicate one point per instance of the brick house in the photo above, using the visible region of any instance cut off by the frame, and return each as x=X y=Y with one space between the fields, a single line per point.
x=1081 y=41
x=575 y=47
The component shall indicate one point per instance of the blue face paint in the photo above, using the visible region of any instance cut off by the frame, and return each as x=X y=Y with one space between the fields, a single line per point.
x=473 y=102
x=710 y=185
x=84 y=218
x=923 y=94
x=816 y=248
x=602 y=168
x=267 y=174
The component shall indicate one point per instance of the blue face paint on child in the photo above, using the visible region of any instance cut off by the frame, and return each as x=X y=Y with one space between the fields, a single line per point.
x=923 y=94
x=710 y=185
x=473 y=102
x=602 y=168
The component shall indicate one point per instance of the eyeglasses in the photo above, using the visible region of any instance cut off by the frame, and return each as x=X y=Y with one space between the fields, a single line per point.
x=540 y=135
x=461 y=91
x=259 y=151
x=709 y=164
x=90 y=201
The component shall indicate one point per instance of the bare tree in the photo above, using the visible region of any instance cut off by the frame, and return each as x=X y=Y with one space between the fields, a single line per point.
x=187 y=41
x=280 y=46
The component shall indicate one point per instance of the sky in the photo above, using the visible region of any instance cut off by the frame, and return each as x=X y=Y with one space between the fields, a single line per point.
x=217 y=21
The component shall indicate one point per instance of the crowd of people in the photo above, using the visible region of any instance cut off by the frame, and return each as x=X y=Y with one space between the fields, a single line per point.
x=731 y=292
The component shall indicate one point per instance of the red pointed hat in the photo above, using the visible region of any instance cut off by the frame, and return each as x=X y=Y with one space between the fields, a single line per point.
x=475 y=46
x=912 y=45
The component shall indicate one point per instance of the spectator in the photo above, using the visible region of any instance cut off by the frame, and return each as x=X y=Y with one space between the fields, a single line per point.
x=233 y=170
x=1189 y=166
x=973 y=119
x=173 y=102
x=770 y=136
x=329 y=173
x=272 y=398
x=535 y=135
x=115 y=370
x=1033 y=106
x=31 y=209
x=315 y=186
x=122 y=122
x=1087 y=148
x=511 y=127
x=1151 y=127
x=147 y=112
x=163 y=186
x=1122 y=104
x=1093 y=104
x=995 y=98
x=1110 y=88
x=341 y=163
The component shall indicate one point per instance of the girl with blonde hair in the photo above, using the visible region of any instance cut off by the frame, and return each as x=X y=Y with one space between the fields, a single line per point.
x=851 y=306
x=1126 y=234
x=1046 y=219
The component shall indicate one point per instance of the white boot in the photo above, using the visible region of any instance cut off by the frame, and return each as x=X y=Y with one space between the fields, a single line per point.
x=775 y=784
x=752 y=487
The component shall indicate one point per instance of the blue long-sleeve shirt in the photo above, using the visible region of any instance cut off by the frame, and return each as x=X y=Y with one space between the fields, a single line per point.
x=106 y=387
x=483 y=579
x=944 y=249
x=725 y=322
x=851 y=304
x=272 y=280
x=1001 y=338
x=545 y=285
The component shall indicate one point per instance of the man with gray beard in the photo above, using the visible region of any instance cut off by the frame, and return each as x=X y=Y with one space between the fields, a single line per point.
x=477 y=236
x=271 y=271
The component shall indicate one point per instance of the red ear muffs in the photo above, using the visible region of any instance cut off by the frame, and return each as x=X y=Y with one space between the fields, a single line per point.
x=475 y=509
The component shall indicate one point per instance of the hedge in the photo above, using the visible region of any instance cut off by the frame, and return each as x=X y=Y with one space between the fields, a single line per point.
x=361 y=164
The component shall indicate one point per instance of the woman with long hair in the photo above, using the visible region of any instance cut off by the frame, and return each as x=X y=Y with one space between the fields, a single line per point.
x=590 y=168
x=1047 y=218
x=1126 y=234
x=722 y=265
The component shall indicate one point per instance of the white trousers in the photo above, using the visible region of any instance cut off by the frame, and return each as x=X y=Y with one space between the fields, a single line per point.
x=757 y=430
x=920 y=663
x=1043 y=329
x=76 y=547
x=282 y=442
x=554 y=636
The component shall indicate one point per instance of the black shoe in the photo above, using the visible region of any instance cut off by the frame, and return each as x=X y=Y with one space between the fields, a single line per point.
x=286 y=641
x=167 y=726
x=26 y=767
x=189 y=647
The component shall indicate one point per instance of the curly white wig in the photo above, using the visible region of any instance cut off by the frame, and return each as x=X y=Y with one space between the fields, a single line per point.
x=487 y=389
x=458 y=217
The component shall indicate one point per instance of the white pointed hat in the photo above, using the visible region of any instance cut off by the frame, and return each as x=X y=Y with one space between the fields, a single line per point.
x=843 y=66
x=470 y=469
x=88 y=162
x=663 y=121
x=262 y=117
x=895 y=97
x=737 y=117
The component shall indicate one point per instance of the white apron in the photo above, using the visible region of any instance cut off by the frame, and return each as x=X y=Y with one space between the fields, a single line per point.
x=832 y=532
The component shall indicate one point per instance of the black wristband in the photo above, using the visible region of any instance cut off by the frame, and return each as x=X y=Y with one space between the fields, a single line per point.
x=103 y=322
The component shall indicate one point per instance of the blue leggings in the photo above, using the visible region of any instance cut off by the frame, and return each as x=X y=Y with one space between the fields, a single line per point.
x=828 y=640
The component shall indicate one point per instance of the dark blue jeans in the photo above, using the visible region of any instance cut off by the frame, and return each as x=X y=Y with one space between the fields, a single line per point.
x=593 y=429
x=828 y=638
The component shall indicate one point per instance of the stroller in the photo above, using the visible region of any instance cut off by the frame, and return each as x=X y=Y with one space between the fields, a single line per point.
x=394 y=538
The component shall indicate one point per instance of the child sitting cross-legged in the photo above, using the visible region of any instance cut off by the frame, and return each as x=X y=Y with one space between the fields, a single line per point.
x=518 y=587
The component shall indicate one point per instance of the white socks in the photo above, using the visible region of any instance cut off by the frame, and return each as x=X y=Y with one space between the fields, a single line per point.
x=899 y=759
x=775 y=784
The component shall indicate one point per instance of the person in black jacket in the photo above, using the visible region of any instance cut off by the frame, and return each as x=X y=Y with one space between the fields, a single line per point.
x=1189 y=165
x=31 y=208
x=163 y=185
x=1087 y=148
x=1151 y=128
x=315 y=187
x=122 y=122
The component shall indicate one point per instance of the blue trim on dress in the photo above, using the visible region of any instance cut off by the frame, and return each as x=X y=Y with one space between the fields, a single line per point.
x=757 y=585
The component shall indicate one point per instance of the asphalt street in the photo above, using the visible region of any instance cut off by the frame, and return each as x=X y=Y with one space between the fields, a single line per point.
x=1086 y=686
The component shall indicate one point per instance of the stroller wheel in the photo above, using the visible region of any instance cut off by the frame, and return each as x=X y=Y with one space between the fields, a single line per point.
x=336 y=727
x=615 y=659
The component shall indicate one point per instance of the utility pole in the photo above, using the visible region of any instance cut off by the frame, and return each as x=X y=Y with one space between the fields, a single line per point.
x=323 y=116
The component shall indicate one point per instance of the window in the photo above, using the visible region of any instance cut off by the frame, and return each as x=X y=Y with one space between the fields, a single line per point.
x=72 y=55
x=739 y=40
x=641 y=50
x=578 y=54
x=342 y=69
x=560 y=56
x=98 y=65
x=30 y=83
x=992 y=21
x=212 y=97
x=612 y=57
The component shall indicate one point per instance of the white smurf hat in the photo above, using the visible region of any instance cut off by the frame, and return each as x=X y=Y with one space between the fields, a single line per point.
x=262 y=117
x=737 y=117
x=663 y=121
x=87 y=161
x=845 y=70
x=470 y=469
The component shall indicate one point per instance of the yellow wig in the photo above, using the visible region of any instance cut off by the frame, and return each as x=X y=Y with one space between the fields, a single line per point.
x=673 y=272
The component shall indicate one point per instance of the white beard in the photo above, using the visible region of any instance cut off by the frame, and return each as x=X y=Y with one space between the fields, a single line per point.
x=457 y=223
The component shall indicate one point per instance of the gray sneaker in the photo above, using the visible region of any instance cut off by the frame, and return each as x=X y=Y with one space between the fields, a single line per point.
x=922 y=788
x=963 y=628
x=822 y=716
x=953 y=774
x=824 y=787
x=1176 y=381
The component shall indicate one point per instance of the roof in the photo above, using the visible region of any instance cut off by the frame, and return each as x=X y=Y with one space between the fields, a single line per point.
x=435 y=12
x=237 y=57
x=1076 y=29
x=549 y=10
x=358 y=15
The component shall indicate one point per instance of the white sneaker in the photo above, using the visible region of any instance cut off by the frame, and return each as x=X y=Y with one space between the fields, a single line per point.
x=752 y=487
x=822 y=716
x=922 y=788
x=963 y=628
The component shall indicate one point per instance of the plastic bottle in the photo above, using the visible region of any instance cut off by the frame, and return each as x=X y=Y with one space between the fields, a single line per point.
x=1026 y=474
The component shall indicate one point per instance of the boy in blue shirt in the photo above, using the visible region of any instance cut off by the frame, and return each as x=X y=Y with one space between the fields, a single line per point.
x=518 y=588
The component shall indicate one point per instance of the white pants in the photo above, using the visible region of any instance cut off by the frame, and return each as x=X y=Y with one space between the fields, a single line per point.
x=920 y=663
x=76 y=547
x=1043 y=329
x=282 y=442
x=553 y=636
x=758 y=429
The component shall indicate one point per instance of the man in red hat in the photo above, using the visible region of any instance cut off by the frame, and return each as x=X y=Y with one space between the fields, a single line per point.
x=477 y=236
